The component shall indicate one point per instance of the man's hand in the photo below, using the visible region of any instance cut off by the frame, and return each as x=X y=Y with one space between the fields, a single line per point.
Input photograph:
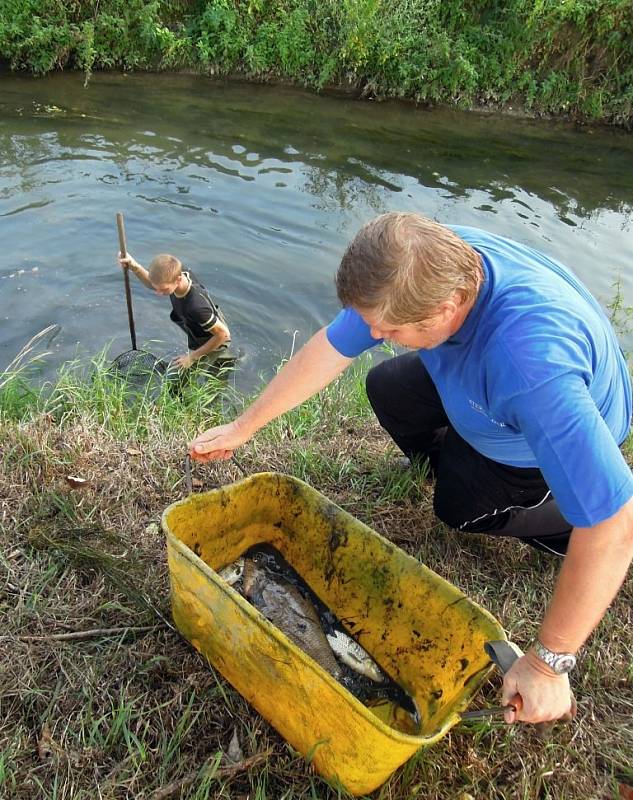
x=217 y=443
x=307 y=372
x=184 y=361
x=545 y=695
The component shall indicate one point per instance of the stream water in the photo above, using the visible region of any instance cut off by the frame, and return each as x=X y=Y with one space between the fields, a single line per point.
x=258 y=189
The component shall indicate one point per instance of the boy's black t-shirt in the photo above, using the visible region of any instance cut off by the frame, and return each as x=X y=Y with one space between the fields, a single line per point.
x=195 y=313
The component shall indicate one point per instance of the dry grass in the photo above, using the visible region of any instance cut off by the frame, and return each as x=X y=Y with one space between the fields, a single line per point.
x=129 y=710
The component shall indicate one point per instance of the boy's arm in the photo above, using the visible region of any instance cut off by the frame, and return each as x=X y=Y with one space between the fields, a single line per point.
x=141 y=273
x=220 y=336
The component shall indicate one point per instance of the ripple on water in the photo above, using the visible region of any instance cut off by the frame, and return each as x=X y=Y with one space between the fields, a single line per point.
x=259 y=189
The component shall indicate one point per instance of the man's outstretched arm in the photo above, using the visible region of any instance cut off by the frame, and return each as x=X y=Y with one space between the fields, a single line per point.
x=310 y=370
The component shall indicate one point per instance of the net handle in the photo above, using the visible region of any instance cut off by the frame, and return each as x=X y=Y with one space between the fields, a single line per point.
x=126 y=278
x=189 y=479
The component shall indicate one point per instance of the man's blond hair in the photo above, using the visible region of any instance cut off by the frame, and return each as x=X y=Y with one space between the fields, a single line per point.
x=402 y=266
x=164 y=269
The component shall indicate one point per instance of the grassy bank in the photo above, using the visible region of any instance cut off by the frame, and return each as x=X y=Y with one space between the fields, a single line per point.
x=573 y=57
x=101 y=698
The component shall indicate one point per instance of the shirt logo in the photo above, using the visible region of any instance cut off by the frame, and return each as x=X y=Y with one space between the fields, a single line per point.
x=481 y=410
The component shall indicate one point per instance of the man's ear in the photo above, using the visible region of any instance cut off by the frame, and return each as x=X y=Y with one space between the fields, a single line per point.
x=447 y=309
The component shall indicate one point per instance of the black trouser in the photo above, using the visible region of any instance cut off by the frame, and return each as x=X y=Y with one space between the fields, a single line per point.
x=472 y=493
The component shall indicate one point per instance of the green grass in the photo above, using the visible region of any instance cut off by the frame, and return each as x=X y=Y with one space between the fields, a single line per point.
x=130 y=713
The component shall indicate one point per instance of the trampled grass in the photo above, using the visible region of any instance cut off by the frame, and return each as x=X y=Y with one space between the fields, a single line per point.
x=101 y=698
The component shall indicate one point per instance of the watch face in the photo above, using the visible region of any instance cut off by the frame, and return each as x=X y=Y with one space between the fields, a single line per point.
x=564 y=664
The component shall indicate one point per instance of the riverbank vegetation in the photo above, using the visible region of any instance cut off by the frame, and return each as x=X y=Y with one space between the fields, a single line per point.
x=100 y=696
x=573 y=58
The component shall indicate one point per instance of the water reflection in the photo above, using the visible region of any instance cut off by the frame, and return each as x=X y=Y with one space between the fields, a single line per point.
x=259 y=189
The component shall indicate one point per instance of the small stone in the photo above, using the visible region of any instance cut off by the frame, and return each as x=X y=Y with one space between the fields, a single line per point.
x=234 y=754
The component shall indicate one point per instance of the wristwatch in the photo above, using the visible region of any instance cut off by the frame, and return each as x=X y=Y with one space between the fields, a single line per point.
x=560 y=663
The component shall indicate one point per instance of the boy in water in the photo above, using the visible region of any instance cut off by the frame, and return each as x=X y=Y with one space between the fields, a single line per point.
x=192 y=308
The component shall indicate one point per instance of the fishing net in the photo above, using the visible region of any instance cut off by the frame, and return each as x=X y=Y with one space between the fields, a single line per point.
x=141 y=370
x=145 y=374
x=139 y=363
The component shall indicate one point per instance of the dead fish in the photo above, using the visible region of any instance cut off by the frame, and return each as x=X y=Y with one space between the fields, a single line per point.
x=352 y=654
x=232 y=573
x=284 y=605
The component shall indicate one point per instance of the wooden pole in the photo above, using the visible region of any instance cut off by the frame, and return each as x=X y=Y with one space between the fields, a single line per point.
x=126 y=278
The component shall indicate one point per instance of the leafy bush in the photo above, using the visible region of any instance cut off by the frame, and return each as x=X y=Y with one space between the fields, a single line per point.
x=42 y=35
x=574 y=56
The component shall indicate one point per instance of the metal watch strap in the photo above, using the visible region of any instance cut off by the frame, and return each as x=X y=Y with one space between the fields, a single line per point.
x=560 y=663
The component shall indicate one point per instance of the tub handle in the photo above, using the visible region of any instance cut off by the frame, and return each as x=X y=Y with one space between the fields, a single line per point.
x=503 y=654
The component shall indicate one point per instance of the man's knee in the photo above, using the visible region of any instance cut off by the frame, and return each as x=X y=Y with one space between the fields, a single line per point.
x=541 y=526
x=445 y=509
x=459 y=500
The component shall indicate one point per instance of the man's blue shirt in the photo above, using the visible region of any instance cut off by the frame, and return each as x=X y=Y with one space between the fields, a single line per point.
x=533 y=378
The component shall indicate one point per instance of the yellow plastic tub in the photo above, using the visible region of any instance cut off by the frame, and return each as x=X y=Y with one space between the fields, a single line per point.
x=421 y=629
